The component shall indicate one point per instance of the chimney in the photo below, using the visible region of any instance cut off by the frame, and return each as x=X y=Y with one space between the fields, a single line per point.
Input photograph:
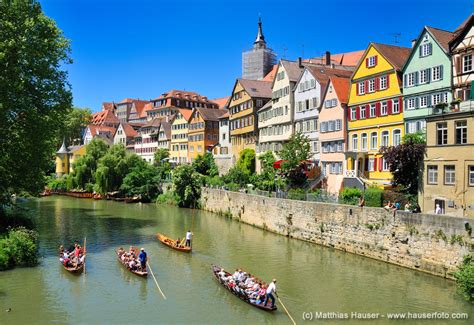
x=413 y=42
x=299 y=63
x=328 y=58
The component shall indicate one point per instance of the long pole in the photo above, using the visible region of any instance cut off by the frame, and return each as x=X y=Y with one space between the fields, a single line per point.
x=85 y=252
x=156 y=282
x=286 y=310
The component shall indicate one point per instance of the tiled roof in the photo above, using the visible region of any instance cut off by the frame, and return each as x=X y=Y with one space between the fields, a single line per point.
x=146 y=108
x=442 y=36
x=107 y=106
x=341 y=86
x=140 y=105
x=257 y=88
x=267 y=105
x=182 y=94
x=226 y=115
x=271 y=75
x=211 y=114
x=396 y=55
x=166 y=126
x=153 y=123
x=101 y=117
x=464 y=23
x=323 y=73
x=96 y=129
x=186 y=113
x=347 y=59
x=292 y=68
x=128 y=130
x=221 y=102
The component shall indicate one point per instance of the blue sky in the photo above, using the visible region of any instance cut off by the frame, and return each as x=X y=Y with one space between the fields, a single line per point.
x=142 y=48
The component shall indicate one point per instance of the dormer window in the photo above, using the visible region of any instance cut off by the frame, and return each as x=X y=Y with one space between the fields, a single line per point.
x=426 y=49
x=371 y=61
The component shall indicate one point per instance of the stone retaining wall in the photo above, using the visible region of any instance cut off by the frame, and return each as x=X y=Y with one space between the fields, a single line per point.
x=430 y=243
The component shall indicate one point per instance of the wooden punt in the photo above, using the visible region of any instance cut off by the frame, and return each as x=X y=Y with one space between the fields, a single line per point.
x=136 y=272
x=172 y=243
x=134 y=199
x=73 y=269
x=216 y=270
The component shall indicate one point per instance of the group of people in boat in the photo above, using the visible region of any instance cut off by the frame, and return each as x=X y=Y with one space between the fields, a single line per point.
x=189 y=236
x=246 y=285
x=73 y=257
x=135 y=261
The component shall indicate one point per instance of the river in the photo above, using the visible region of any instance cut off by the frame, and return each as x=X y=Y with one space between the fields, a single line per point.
x=310 y=278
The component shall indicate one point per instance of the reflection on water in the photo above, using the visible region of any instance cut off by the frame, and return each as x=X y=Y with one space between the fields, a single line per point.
x=310 y=277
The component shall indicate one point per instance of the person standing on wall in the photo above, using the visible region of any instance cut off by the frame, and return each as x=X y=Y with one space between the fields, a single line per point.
x=189 y=236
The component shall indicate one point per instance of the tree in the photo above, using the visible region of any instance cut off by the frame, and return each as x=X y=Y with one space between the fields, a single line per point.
x=205 y=165
x=142 y=180
x=405 y=162
x=74 y=125
x=162 y=162
x=246 y=161
x=237 y=175
x=267 y=160
x=266 y=179
x=35 y=95
x=187 y=185
x=85 y=167
x=294 y=155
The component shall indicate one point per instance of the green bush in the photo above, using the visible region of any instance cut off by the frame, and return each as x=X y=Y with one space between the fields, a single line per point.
x=169 y=198
x=373 y=197
x=233 y=187
x=18 y=248
x=187 y=183
x=297 y=194
x=465 y=279
x=236 y=175
x=350 y=196
x=213 y=181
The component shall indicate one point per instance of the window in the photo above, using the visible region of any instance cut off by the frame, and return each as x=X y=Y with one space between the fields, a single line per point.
x=383 y=82
x=385 y=138
x=371 y=164
x=363 y=141
x=385 y=165
x=372 y=110
x=432 y=174
x=353 y=113
x=395 y=106
x=338 y=125
x=471 y=176
x=410 y=79
x=371 y=61
x=423 y=76
x=467 y=63
x=361 y=88
x=315 y=102
x=354 y=142
x=449 y=175
x=425 y=49
x=324 y=126
x=397 y=137
x=411 y=103
x=373 y=141
x=384 y=108
x=371 y=86
x=439 y=98
x=362 y=112
x=461 y=132
x=436 y=73
x=423 y=101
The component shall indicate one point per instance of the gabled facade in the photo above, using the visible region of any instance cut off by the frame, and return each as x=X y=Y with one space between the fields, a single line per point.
x=463 y=65
x=203 y=133
x=129 y=108
x=375 y=114
x=179 y=137
x=106 y=133
x=333 y=132
x=146 y=141
x=248 y=96
x=426 y=77
x=223 y=152
x=125 y=134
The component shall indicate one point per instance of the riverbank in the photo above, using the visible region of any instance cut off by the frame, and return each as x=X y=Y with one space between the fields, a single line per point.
x=434 y=244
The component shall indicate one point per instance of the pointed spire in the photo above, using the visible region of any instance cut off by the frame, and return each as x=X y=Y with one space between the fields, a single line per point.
x=260 y=38
x=63 y=148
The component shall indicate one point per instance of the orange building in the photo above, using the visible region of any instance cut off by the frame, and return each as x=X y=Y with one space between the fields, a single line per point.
x=203 y=133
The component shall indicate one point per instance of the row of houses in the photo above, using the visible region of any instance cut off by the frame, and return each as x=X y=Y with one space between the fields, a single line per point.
x=349 y=105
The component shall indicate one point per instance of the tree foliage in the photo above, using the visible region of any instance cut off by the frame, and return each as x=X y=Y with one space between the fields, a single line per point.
x=113 y=167
x=35 y=96
x=465 y=278
x=162 y=163
x=406 y=161
x=266 y=179
x=187 y=185
x=205 y=165
x=84 y=169
x=246 y=161
x=74 y=125
x=142 y=180
x=294 y=155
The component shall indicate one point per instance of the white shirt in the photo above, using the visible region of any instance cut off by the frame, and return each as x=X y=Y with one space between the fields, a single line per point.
x=271 y=288
x=189 y=235
x=438 y=210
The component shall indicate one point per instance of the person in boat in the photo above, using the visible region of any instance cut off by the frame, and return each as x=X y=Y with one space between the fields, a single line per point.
x=61 y=250
x=189 y=236
x=132 y=264
x=269 y=293
x=132 y=251
x=178 y=242
x=121 y=251
x=82 y=259
x=221 y=273
x=142 y=258
x=240 y=276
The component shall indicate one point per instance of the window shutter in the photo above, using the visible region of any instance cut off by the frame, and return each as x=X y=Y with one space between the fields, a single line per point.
x=405 y=78
x=388 y=81
x=458 y=65
x=366 y=86
x=428 y=75
x=389 y=107
x=367 y=110
x=430 y=46
x=419 y=51
x=366 y=62
x=366 y=164
x=377 y=84
x=357 y=89
x=441 y=72
x=428 y=101
x=380 y=164
x=400 y=103
x=417 y=102
x=416 y=78
x=349 y=114
x=377 y=109
x=375 y=164
x=357 y=113
x=376 y=60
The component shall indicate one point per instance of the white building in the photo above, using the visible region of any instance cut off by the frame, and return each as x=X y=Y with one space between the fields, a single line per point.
x=223 y=151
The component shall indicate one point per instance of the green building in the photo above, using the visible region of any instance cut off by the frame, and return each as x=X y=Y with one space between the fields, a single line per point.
x=426 y=78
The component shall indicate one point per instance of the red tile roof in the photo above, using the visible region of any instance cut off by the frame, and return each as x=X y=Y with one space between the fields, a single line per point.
x=347 y=59
x=107 y=106
x=183 y=94
x=186 y=113
x=211 y=114
x=102 y=117
x=271 y=75
x=323 y=73
x=442 y=36
x=341 y=86
x=396 y=55
x=221 y=102
x=96 y=129
x=140 y=105
x=128 y=130
x=146 y=108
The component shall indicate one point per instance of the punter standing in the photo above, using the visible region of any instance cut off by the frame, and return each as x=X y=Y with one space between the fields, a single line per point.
x=142 y=257
x=270 y=290
x=189 y=236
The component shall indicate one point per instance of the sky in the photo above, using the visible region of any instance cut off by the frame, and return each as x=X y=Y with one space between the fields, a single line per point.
x=143 y=48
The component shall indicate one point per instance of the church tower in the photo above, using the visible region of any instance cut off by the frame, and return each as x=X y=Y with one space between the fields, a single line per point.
x=258 y=61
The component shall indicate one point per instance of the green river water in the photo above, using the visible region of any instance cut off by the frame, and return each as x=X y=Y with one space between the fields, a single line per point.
x=310 y=278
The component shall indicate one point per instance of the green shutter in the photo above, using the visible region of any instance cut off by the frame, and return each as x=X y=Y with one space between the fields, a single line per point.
x=472 y=91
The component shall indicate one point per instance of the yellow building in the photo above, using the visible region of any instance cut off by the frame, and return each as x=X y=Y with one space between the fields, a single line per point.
x=247 y=97
x=179 y=137
x=66 y=157
x=375 y=113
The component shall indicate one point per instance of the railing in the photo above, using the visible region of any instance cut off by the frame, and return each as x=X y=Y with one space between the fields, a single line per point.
x=350 y=173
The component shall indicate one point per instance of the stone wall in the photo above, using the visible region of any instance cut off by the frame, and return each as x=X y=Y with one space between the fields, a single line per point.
x=223 y=164
x=430 y=243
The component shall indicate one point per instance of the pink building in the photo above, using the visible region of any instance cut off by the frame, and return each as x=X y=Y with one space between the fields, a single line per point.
x=333 y=132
